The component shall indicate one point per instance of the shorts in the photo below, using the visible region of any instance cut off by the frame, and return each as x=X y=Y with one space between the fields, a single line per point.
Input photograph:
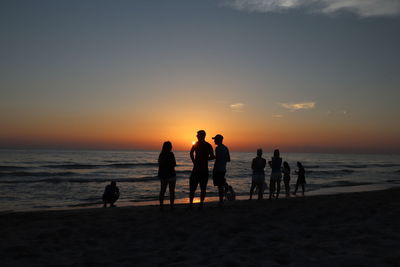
x=168 y=179
x=219 y=178
x=258 y=178
x=198 y=177
x=276 y=177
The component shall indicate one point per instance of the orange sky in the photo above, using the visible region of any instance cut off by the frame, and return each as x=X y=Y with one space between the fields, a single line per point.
x=241 y=133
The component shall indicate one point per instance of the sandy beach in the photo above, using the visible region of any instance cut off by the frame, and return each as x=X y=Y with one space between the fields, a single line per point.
x=355 y=229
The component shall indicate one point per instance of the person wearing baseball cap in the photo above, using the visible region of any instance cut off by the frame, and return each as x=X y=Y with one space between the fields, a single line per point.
x=221 y=158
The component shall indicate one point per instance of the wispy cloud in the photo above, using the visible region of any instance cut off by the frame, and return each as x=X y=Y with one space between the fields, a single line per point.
x=363 y=8
x=237 y=107
x=298 y=106
x=277 y=116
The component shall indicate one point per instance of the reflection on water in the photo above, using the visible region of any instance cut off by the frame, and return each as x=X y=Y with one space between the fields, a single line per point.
x=38 y=179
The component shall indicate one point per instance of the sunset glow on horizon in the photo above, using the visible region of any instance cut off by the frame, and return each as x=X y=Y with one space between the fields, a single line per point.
x=131 y=75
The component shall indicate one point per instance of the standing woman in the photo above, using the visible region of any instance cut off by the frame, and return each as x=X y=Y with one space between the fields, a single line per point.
x=286 y=177
x=258 y=178
x=166 y=173
x=301 y=178
x=276 y=174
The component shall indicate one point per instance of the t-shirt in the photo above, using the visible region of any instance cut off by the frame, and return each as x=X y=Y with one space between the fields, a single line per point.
x=258 y=165
x=221 y=158
x=203 y=151
x=166 y=165
x=276 y=164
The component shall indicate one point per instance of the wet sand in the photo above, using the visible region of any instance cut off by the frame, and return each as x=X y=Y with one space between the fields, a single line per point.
x=355 y=229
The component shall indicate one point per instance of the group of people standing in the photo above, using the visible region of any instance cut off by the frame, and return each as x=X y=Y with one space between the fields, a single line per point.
x=202 y=152
x=258 y=177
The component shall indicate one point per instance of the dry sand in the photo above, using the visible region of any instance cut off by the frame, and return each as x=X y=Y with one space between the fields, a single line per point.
x=357 y=229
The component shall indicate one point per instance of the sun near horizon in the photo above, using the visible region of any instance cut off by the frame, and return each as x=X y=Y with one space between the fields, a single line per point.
x=131 y=75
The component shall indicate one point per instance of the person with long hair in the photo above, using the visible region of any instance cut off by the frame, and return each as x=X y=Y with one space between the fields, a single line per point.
x=166 y=173
x=301 y=178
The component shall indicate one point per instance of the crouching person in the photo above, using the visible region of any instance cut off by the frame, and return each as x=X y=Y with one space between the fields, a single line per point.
x=111 y=194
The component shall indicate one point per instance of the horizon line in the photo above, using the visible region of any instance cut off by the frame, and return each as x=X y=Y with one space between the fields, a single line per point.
x=306 y=150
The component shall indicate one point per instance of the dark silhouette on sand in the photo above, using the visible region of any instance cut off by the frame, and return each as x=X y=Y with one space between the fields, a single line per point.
x=230 y=194
x=276 y=174
x=301 y=177
x=200 y=154
x=258 y=178
x=286 y=177
x=111 y=194
x=221 y=158
x=166 y=173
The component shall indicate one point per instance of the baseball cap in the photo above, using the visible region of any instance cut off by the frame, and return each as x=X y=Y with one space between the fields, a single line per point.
x=218 y=137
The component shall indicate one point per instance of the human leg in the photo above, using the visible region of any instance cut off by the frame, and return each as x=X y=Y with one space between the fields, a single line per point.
x=278 y=188
x=252 y=187
x=287 y=187
x=192 y=189
x=271 y=188
x=297 y=187
x=220 y=182
x=163 y=188
x=203 y=188
x=260 y=186
x=172 y=184
x=221 y=193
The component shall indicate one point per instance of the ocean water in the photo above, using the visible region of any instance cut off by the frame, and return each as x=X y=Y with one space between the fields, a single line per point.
x=41 y=179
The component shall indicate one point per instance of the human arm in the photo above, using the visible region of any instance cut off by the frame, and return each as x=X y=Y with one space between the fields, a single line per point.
x=192 y=154
x=210 y=153
x=173 y=160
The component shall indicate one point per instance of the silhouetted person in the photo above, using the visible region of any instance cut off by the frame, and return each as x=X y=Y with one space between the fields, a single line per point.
x=221 y=158
x=286 y=177
x=301 y=178
x=276 y=174
x=229 y=193
x=258 y=177
x=111 y=194
x=200 y=154
x=166 y=173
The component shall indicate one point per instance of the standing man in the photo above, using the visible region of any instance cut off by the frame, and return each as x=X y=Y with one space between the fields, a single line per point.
x=221 y=158
x=200 y=154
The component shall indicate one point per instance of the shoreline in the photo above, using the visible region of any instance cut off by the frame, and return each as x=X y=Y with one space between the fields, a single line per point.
x=213 y=199
x=355 y=229
x=329 y=230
